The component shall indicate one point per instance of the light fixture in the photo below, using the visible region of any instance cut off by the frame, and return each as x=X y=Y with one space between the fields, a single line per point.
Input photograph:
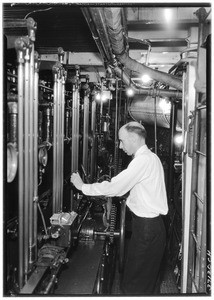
x=129 y=92
x=168 y=15
x=165 y=105
x=97 y=96
x=178 y=139
x=103 y=96
x=146 y=78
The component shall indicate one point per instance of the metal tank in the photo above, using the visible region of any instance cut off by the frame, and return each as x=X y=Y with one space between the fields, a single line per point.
x=143 y=108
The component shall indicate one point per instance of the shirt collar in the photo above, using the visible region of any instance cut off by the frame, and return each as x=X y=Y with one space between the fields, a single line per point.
x=141 y=150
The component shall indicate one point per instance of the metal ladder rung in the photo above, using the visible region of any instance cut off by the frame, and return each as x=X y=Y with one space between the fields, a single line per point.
x=201 y=153
x=198 y=197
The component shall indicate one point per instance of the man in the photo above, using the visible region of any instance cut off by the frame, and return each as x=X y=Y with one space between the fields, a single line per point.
x=144 y=178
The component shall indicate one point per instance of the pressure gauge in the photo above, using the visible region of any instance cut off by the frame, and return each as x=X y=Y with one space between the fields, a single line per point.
x=43 y=156
x=12 y=162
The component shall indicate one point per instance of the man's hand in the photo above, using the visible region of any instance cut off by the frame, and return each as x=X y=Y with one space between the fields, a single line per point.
x=77 y=181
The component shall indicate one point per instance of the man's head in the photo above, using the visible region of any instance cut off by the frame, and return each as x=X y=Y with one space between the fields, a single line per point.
x=132 y=136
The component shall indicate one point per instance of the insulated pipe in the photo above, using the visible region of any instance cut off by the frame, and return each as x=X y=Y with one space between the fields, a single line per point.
x=113 y=21
x=146 y=91
x=162 y=77
x=20 y=46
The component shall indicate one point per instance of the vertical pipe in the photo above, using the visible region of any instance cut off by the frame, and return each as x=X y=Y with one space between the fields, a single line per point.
x=62 y=140
x=93 y=130
x=26 y=159
x=61 y=130
x=19 y=44
x=73 y=141
x=54 y=138
x=31 y=182
x=35 y=147
x=115 y=132
x=85 y=133
x=155 y=108
x=73 y=129
x=77 y=127
x=173 y=121
x=58 y=146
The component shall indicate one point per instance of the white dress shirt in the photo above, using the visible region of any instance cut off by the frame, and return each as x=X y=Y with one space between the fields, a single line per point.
x=144 y=178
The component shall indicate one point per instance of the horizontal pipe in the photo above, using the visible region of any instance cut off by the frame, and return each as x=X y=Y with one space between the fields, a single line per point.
x=162 y=77
x=146 y=91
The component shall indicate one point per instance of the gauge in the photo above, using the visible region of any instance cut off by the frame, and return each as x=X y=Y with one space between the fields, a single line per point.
x=12 y=162
x=43 y=156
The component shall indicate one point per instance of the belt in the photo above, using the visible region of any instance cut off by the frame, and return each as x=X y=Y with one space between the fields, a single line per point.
x=135 y=216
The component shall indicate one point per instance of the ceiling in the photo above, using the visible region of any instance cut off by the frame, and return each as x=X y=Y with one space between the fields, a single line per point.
x=63 y=25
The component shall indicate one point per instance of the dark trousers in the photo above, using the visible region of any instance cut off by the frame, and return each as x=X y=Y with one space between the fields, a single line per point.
x=145 y=253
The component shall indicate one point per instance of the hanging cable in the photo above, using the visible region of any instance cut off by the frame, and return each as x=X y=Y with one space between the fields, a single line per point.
x=31 y=12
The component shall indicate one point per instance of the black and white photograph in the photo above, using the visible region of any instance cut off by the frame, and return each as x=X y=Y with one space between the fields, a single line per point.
x=106 y=149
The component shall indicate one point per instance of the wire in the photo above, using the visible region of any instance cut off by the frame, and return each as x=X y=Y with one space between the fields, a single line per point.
x=37 y=11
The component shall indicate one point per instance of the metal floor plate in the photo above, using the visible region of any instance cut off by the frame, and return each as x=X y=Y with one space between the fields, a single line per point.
x=79 y=276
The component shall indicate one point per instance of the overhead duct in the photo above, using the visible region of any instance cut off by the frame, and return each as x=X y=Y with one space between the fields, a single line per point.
x=109 y=42
x=109 y=28
x=113 y=19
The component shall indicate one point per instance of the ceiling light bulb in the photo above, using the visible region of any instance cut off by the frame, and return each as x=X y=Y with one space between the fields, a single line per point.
x=178 y=139
x=98 y=96
x=168 y=15
x=145 y=78
x=130 y=92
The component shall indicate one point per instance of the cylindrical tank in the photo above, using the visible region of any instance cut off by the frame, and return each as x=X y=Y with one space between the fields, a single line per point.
x=142 y=108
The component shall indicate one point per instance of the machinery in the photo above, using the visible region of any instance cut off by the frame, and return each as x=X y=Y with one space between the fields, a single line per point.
x=60 y=121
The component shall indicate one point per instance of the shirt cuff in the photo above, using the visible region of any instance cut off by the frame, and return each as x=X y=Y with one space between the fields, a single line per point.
x=84 y=188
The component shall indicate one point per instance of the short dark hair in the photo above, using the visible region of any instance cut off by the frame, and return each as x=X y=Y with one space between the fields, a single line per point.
x=138 y=129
